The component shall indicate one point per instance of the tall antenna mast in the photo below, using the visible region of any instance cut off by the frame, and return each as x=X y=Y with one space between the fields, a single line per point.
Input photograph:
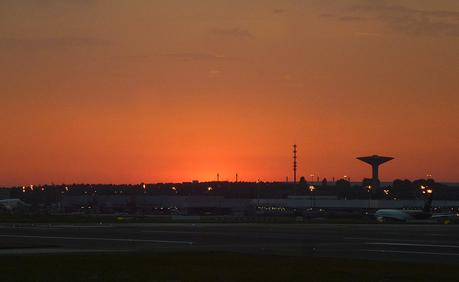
x=294 y=163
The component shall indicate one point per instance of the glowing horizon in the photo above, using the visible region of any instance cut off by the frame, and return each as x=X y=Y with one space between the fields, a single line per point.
x=171 y=91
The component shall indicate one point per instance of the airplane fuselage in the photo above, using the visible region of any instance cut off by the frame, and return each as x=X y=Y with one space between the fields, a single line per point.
x=401 y=215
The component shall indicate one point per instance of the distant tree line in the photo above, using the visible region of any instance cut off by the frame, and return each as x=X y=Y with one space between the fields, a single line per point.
x=342 y=189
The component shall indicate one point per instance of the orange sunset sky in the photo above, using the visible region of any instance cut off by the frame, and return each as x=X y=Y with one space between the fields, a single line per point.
x=152 y=91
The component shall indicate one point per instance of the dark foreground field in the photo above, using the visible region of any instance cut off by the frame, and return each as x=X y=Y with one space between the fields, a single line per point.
x=229 y=252
x=214 y=267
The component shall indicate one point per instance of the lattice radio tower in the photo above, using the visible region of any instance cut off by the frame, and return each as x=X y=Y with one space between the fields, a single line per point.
x=294 y=163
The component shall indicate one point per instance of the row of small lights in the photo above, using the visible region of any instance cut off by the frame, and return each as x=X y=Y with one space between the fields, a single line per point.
x=175 y=188
x=311 y=188
x=67 y=189
x=425 y=190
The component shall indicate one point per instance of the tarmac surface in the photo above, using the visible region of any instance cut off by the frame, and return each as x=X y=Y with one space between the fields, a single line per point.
x=401 y=242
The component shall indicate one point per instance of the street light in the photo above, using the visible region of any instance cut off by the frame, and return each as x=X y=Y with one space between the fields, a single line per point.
x=426 y=189
x=369 y=187
x=311 y=189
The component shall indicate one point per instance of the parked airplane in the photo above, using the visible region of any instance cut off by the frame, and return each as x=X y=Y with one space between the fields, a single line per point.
x=11 y=205
x=385 y=215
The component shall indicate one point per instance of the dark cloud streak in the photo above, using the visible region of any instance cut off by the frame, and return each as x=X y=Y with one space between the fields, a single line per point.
x=412 y=21
x=351 y=18
x=402 y=19
x=194 y=56
x=56 y=42
x=235 y=32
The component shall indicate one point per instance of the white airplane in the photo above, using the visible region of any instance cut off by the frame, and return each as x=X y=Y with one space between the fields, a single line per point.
x=12 y=204
x=385 y=215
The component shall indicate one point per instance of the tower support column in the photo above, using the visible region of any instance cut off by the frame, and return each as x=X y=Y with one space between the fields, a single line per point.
x=375 y=161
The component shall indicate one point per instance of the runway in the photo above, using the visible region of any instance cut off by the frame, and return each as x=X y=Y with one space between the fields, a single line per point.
x=404 y=242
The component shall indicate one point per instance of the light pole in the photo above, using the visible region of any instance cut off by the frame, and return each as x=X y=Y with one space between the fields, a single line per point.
x=311 y=189
x=369 y=187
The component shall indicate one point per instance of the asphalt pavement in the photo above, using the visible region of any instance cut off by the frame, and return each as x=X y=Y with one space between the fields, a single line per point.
x=400 y=242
